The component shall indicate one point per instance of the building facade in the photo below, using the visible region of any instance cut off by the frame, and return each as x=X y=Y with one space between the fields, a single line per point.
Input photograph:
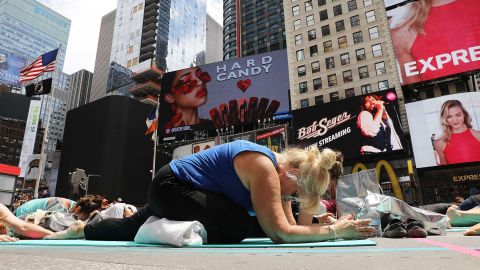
x=338 y=49
x=80 y=86
x=252 y=27
x=102 y=58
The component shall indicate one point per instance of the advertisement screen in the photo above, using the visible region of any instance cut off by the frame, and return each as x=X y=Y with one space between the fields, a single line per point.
x=10 y=66
x=445 y=130
x=358 y=126
x=235 y=92
x=434 y=39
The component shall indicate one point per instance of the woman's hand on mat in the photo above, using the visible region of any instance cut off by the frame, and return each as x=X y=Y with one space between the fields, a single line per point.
x=75 y=231
x=326 y=218
x=347 y=228
x=6 y=238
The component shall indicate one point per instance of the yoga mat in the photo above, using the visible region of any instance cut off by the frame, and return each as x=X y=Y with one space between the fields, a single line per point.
x=457 y=229
x=247 y=243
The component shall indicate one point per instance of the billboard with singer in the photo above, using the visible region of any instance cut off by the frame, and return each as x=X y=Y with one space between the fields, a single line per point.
x=358 y=126
x=10 y=66
x=243 y=91
x=445 y=130
x=433 y=38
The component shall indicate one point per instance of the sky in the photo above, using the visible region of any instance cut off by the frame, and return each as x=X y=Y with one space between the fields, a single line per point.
x=86 y=16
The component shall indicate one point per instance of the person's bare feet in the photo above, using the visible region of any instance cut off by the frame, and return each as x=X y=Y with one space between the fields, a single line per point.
x=75 y=231
x=472 y=231
x=453 y=216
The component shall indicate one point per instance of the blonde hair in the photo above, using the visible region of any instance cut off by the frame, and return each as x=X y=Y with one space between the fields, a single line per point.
x=313 y=173
x=416 y=15
x=447 y=129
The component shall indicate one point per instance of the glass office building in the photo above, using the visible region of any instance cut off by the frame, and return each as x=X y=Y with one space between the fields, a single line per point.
x=29 y=29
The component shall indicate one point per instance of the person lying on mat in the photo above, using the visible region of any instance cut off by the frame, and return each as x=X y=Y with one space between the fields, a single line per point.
x=235 y=190
x=19 y=227
x=466 y=214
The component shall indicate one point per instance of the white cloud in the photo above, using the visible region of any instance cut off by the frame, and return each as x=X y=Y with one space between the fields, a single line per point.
x=86 y=16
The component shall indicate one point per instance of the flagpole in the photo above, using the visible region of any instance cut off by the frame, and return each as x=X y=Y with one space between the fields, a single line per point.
x=156 y=137
x=42 y=163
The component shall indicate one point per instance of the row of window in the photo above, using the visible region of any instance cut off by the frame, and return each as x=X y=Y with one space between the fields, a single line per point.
x=363 y=73
x=337 y=10
x=340 y=25
x=349 y=92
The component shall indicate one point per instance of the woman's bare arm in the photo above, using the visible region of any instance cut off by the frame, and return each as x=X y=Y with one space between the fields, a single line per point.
x=21 y=227
x=439 y=146
x=403 y=39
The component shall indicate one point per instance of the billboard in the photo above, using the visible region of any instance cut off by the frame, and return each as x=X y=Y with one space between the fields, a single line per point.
x=358 y=126
x=445 y=130
x=10 y=67
x=434 y=40
x=234 y=92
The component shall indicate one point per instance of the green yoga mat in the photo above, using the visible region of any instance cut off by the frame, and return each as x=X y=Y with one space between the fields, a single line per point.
x=457 y=229
x=247 y=243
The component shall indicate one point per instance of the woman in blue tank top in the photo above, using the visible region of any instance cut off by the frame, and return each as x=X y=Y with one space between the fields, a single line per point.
x=235 y=190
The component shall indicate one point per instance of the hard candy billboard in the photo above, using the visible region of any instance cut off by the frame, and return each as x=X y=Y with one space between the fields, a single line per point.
x=434 y=39
x=357 y=126
x=236 y=92
x=10 y=66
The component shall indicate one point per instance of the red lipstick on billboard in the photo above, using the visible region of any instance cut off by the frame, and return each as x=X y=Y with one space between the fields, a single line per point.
x=216 y=118
x=242 y=111
x=272 y=109
x=224 y=113
x=252 y=109
x=233 y=110
x=262 y=107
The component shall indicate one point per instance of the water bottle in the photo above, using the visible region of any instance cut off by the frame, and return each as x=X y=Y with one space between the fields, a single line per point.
x=366 y=212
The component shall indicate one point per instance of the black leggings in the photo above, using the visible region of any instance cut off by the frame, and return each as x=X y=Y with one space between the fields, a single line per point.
x=175 y=199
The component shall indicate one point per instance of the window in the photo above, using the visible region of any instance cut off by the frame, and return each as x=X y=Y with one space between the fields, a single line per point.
x=332 y=80
x=460 y=87
x=363 y=72
x=373 y=32
x=301 y=71
x=325 y=30
x=140 y=6
x=370 y=16
x=310 y=20
x=360 y=54
x=342 y=42
x=318 y=99
x=337 y=10
x=382 y=85
x=380 y=68
x=352 y=5
x=317 y=83
x=321 y=2
x=315 y=67
x=367 y=2
x=327 y=46
x=304 y=103
x=330 y=62
x=355 y=20
x=340 y=26
x=250 y=44
x=129 y=63
x=302 y=87
x=357 y=37
x=262 y=41
x=297 y=24
x=377 y=50
x=300 y=55
x=444 y=89
x=313 y=50
x=349 y=92
x=312 y=34
x=296 y=10
x=347 y=76
x=345 y=58
x=323 y=15
x=298 y=39
x=308 y=6
x=334 y=96
x=367 y=88
x=130 y=49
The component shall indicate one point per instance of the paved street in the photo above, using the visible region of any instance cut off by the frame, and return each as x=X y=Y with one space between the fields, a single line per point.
x=453 y=251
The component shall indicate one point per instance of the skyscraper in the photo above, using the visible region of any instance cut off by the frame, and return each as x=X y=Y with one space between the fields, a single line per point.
x=29 y=29
x=102 y=59
x=80 y=86
x=252 y=27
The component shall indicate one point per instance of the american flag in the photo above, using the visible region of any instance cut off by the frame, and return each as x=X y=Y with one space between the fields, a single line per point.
x=44 y=63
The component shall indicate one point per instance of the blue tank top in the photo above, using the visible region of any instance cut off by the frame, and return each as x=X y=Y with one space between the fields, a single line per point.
x=213 y=170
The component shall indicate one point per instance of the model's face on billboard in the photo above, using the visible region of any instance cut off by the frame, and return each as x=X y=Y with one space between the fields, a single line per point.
x=189 y=89
x=370 y=103
x=455 y=117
